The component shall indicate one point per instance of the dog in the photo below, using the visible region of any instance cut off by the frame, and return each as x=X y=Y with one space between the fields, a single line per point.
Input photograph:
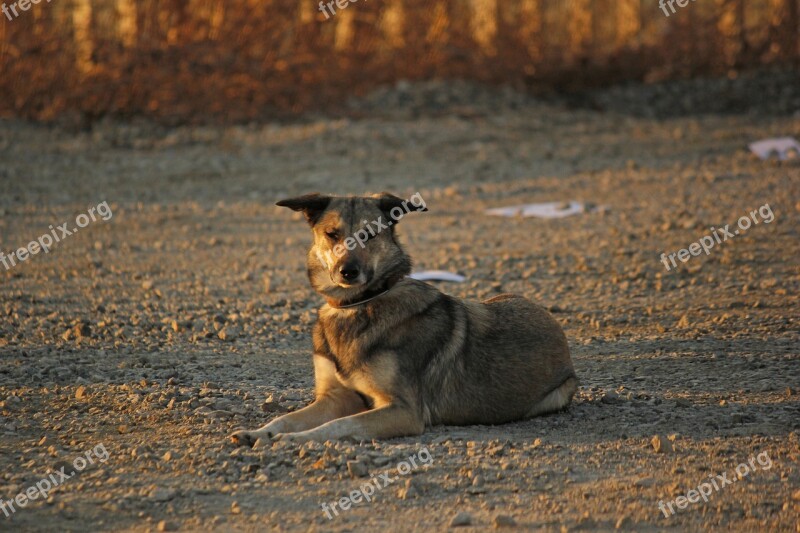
x=393 y=355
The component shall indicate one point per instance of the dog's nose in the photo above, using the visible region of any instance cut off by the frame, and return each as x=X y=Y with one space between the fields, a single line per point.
x=349 y=272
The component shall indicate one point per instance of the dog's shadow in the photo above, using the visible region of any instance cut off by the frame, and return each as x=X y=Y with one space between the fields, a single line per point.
x=698 y=389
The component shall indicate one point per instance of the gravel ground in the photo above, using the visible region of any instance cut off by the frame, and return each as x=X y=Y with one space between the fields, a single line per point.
x=154 y=334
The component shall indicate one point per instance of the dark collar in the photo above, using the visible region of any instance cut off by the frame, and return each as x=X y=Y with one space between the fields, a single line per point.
x=364 y=298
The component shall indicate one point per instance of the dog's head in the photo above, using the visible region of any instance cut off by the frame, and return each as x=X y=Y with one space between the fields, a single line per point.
x=355 y=249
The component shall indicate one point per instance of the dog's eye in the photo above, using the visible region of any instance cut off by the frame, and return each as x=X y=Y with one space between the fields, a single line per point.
x=332 y=235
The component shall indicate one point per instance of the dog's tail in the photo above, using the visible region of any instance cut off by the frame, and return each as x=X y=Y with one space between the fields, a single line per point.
x=559 y=397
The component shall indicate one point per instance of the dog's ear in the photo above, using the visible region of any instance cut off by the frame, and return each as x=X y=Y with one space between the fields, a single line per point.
x=312 y=205
x=388 y=201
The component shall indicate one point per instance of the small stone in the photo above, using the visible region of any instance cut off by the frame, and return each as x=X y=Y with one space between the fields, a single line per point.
x=80 y=393
x=503 y=520
x=228 y=333
x=682 y=402
x=147 y=284
x=82 y=330
x=357 y=469
x=409 y=491
x=235 y=509
x=461 y=519
x=661 y=444
x=624 y=522
x=162 y=495
x=610 y=397
x=167 y=526
x=796 y=495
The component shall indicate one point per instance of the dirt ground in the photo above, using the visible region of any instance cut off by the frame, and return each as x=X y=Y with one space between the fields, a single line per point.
x=154 y=334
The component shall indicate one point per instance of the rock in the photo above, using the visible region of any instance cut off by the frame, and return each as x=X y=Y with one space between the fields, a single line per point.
x=272 y=406
x=80 y=393
x=228 y=333
x=167 y=526
x=82 y=330
x=624 y=522
x=682 y=402
x=147 y=284
x=461 y=519
x=162 y=494
x=409 y=491
x=661 y=444
x=610 y=397
x=503 y=520
x=357 y=469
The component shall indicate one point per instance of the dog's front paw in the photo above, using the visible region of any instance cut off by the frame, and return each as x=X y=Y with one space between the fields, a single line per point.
x=244 y=437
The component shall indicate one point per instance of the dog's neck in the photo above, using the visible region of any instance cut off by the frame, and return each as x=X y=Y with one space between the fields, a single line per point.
x=366 y=296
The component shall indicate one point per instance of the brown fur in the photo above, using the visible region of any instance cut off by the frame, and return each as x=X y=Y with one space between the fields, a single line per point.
x=411 y=356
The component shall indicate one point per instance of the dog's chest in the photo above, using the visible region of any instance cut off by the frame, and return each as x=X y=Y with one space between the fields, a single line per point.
x=348 y=338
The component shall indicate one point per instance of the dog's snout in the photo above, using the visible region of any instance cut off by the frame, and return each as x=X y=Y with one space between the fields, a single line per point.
x=349 y=271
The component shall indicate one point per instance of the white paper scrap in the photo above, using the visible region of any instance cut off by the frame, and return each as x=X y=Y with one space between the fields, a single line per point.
x=437 y=275
x=543 y=210
x=783 y=148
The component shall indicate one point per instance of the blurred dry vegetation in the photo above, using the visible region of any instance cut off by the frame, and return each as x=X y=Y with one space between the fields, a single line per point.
x=237 y=60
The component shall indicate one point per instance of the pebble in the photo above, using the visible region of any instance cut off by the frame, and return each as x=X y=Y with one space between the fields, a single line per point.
x=164 y=525
x=503 y=520
x=357 y=469
x=461 y=519
x=661 y=444
x=163 y=494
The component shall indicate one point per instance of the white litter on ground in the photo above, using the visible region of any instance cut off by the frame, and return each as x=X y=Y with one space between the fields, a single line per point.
x=783 y=148
x=543 y=210
x=437 y=275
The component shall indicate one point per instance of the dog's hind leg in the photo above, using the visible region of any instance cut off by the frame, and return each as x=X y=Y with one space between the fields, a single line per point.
x=557 y=399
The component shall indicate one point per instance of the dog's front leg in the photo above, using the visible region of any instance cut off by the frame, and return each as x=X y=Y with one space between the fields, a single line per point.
x=393 y=420
x=335 y=404
x=333 y=401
